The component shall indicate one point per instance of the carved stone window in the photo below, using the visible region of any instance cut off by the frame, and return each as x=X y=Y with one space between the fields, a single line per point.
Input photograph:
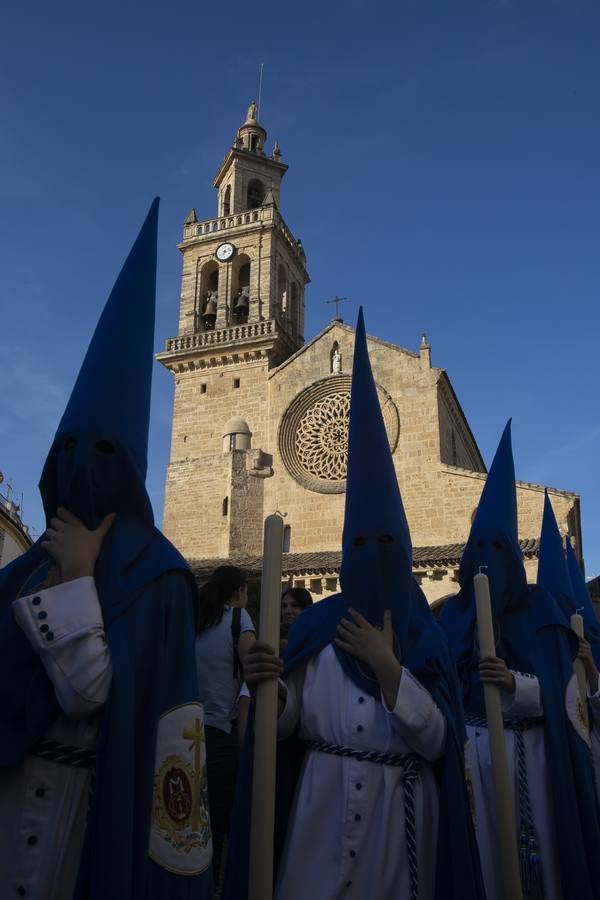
x=322 y=437
x=313 y=436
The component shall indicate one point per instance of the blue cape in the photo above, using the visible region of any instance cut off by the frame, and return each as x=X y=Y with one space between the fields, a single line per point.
x=97 y=465
x=583 y=603
x=532 y=637
x=559 y=574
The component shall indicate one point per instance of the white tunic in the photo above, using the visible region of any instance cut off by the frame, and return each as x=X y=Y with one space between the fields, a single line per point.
x=525 y=703
x=346 y=837
x=43 y=804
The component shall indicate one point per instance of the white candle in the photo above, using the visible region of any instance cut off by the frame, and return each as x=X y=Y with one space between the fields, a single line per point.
x=503 y=791
x=577 y=624
x=579 y=668
x=265 y=721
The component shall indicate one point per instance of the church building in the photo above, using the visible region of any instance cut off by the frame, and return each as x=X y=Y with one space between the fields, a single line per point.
x=260 y=414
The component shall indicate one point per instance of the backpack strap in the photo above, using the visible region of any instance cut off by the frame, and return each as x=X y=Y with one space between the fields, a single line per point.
x=236 y=628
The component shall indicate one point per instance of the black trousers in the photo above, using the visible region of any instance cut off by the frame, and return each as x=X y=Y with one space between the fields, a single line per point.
x=222 y=756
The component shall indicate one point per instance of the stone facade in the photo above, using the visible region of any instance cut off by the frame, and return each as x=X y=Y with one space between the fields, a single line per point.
x=14 y=535
x=259 y=420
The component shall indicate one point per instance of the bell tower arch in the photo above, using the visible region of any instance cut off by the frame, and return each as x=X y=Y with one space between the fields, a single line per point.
x=241 y=314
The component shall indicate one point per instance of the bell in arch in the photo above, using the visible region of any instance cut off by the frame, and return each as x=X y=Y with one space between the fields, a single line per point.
x=210 y=310
x=242 y=303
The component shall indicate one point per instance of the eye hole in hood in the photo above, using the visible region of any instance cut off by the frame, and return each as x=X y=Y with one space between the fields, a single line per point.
x=105 y=447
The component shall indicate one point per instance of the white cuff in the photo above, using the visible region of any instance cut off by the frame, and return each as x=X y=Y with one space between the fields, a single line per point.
x=48 y=616
x=526 y=701
x=409 y=705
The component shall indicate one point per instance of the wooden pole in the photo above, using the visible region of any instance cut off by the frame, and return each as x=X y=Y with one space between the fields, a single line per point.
x=579 y=668
x=503 y=789
x=265 y=722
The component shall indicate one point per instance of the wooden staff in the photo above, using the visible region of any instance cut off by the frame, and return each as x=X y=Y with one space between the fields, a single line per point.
x=265 y=721
x=503 y=790
x=579 y=668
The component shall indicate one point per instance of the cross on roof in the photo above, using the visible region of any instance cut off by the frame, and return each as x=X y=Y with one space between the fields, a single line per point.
x=337 y=300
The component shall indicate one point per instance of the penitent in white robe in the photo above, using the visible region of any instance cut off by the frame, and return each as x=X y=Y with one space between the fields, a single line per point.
x=525 y=703
x=43 y=804
x=346 y=836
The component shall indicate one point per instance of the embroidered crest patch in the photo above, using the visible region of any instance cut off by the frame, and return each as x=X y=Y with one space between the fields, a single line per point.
x=180 y=837
x=576 y=711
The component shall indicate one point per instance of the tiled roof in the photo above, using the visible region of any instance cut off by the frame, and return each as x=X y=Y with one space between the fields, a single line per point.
x=593 y=587
x=323 y=562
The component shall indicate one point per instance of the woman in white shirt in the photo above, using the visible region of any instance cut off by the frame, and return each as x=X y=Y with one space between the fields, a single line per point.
x=219 y=663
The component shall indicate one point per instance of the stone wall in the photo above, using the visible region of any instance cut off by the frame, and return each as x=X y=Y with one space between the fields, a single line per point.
x=199 y=473
x=246 y=518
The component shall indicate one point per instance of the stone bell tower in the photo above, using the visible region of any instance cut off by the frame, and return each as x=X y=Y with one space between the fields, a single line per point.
x=241 y=315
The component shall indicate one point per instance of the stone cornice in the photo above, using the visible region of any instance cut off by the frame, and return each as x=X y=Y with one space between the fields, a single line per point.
x=458 y=417
x=447 y=469
x=250 y=157
x=225 y=346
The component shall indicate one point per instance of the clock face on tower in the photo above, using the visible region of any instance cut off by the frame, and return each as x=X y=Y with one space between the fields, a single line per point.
x=224 y=252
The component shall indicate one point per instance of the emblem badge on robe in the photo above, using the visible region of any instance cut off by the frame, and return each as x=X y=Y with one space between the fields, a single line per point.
x=180 y=836
x=576 y=712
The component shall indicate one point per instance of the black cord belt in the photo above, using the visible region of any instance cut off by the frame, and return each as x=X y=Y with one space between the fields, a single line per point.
x=65 y=755
x=511 y=724
x=402 y=760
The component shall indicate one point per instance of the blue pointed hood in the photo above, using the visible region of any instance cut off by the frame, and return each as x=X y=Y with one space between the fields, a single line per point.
x=96 y=465
x=376 y=571
x=553 y=574
x=581 y=598
x=494 y=540
x=98 y=460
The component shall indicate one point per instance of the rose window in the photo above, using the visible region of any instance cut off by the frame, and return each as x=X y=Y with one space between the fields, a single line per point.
x=313 y=436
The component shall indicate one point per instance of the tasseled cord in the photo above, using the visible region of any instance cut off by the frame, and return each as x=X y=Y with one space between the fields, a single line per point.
x=529 y=857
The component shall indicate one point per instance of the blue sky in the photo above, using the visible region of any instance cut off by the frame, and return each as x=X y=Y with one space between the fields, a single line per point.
x=443 y=172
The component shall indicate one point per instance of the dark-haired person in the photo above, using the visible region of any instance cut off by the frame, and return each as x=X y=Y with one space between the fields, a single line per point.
x=222 y=623
x=294 y=601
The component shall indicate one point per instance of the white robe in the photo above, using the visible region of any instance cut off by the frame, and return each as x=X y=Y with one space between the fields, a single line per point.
x=346 y=836
x=525 y=703
x=43 y=804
